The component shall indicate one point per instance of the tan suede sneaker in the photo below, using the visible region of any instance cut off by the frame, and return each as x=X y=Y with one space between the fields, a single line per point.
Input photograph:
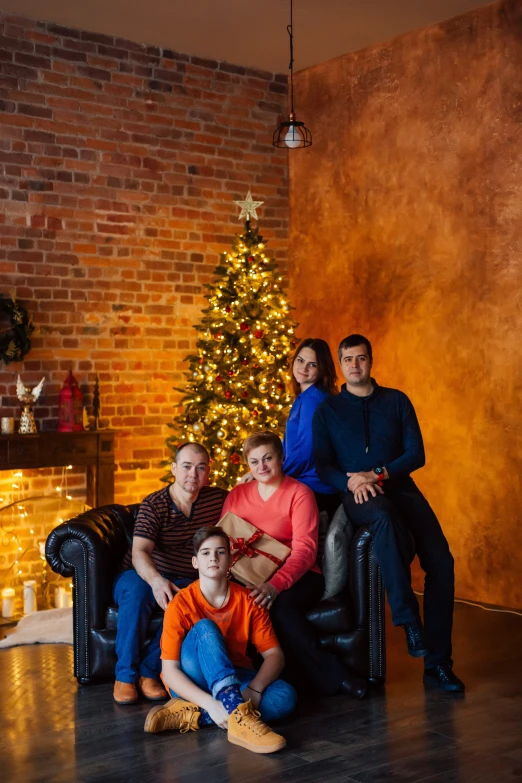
x=176 y=714
x=125 y=692
x=152 y=689
x=245 y=728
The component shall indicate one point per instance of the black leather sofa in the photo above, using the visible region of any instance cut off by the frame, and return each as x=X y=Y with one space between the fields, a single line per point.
x=90 y=548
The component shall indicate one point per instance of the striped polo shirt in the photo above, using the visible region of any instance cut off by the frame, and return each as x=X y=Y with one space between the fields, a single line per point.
x=161 y=521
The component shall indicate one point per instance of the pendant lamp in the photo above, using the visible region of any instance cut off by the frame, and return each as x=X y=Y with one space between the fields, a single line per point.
x=292 y=134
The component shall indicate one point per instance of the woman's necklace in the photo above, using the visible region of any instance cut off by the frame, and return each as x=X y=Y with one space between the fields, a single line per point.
x=225 y=598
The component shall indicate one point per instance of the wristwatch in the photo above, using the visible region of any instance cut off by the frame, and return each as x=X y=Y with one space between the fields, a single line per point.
x=379 y=472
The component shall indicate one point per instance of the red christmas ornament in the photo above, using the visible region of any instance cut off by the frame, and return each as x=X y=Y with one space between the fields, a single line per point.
x=245 y=362
x=234 y=458
x=70 y=406
x=201 y=361
x=255 y=413
x=250 y=259
x=244 y=394
x=218 y=335
x=255 y=366
x=259 y=333
x=279 y=386
x=231 y=373
x=219 y=378
x=244 y=326
x=227 y=309
x=228 y=394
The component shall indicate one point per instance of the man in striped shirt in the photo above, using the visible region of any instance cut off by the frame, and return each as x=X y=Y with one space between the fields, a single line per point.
x=159 y=565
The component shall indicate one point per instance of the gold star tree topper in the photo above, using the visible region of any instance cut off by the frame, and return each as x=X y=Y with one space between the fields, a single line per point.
x=248 y=207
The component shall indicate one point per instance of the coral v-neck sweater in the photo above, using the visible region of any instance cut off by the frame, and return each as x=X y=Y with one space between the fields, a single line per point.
x=289 y=515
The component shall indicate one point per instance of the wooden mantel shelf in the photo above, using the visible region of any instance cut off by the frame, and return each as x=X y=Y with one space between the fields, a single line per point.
x=93 y=449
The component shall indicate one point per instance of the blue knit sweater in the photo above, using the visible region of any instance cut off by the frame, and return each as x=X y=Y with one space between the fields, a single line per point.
x=297 y=443
x=353 y=433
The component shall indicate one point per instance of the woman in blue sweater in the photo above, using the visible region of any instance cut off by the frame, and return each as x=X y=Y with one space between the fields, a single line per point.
x=313 y=379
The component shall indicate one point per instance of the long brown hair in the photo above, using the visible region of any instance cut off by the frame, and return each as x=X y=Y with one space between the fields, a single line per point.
x=327 y=378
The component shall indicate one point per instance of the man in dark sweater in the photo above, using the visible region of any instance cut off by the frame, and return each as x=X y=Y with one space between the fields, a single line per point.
x=367 y=441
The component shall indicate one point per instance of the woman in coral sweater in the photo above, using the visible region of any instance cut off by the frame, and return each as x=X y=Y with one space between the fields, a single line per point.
x=285 y=509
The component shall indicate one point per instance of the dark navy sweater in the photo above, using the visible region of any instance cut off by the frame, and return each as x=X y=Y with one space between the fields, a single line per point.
x=353 y=433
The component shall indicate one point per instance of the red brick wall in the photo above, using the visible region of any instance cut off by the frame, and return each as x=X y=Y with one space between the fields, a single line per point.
x=120 y=164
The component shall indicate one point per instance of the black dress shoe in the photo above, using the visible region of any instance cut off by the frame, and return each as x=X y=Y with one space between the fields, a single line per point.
x=415 y=639
x=444 y=678
x=354 y=686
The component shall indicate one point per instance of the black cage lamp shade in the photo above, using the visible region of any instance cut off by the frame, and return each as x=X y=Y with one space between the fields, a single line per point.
x=292 y=134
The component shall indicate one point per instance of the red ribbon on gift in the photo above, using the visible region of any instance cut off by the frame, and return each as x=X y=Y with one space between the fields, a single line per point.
x=244 y=547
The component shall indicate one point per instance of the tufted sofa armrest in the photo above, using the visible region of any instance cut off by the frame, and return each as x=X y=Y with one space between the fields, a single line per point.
x=89 y=548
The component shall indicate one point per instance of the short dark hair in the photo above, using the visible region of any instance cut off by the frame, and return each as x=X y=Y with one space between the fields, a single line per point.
x=209 y=531
x=196 y=446
x=351 y=341
x=266 y=438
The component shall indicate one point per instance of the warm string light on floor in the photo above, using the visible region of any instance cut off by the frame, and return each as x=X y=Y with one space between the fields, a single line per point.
x=478 y=605
x=11 y=575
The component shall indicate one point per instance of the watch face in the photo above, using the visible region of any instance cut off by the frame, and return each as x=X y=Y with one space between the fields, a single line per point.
x=378 y=471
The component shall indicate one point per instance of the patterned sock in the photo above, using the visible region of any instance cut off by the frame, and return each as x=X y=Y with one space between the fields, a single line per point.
x=230 y=698
x=204 y=719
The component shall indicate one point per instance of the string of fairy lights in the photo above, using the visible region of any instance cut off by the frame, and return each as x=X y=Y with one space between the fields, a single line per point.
x=236 y=382
x=15 y=519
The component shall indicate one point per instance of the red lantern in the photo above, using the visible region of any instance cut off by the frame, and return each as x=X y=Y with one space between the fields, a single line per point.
x=70 y=406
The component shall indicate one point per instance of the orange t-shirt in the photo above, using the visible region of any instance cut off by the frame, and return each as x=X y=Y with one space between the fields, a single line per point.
x=240 y=621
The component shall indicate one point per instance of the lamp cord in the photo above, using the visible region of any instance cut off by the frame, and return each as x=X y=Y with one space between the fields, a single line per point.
x=291 y=66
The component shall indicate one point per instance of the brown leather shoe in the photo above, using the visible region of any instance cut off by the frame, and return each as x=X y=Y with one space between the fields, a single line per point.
x=152 y=689
x=125 y=692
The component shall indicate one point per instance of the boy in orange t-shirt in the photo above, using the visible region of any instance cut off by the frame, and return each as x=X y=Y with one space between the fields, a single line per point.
x=205 y=666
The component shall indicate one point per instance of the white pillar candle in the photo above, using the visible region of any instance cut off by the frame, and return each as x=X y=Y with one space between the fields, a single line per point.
x=29 y=596
x=58 y=597
x=8 y=595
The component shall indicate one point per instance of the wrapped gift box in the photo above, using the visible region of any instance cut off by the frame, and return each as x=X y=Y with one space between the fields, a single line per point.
x=256 y=556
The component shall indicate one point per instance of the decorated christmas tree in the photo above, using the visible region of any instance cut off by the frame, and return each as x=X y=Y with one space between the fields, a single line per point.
x=236 y=383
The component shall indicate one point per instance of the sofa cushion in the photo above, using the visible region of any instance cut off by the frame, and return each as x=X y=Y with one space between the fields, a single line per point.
x=335 y=553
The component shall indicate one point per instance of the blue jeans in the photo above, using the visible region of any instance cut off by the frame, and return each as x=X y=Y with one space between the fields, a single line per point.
x=136 y=603
x=204 y=658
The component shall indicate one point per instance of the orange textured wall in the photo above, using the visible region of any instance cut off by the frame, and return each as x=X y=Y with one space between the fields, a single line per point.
x=406 y=225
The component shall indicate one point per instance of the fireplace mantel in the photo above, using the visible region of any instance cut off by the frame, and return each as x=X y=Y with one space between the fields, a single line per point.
x=93 y=449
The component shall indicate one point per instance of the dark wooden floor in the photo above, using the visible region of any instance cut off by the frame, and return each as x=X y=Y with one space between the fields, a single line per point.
x=51 y=731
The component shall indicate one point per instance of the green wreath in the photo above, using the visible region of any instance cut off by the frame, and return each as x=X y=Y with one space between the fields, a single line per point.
x=15 y=340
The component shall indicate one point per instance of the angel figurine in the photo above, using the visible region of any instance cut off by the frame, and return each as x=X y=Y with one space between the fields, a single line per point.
x=28 y=398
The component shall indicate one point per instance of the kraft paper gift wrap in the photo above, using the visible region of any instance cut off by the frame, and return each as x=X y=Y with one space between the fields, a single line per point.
x=256 y=556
